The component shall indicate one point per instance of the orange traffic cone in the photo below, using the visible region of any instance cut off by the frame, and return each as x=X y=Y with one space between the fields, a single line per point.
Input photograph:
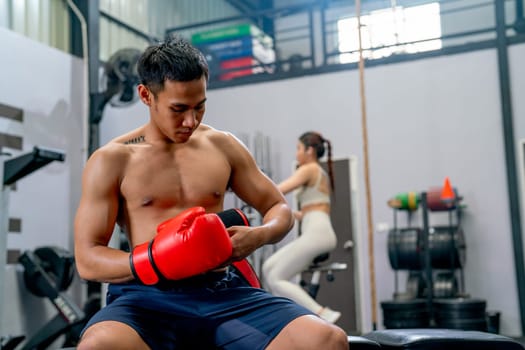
x=447 y=193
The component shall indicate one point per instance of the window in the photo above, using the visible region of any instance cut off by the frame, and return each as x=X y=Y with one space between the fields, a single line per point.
x=389 y=31
x=46 y=21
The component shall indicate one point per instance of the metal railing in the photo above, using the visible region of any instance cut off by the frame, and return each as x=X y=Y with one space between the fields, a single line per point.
x=306 y=39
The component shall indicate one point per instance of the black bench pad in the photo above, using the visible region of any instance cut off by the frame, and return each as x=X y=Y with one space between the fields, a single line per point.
x=441 y=339
x=361 y=343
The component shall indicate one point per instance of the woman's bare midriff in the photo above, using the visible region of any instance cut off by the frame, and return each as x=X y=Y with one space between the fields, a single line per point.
x=324 y=207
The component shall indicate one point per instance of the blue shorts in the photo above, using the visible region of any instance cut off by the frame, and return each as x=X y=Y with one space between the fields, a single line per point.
x=211 y=311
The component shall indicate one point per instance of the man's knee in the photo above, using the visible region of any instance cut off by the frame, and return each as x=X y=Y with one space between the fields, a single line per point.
x=310 y=332
x=339 y=338
x=102 y=342
x=111 y=335
x=86 y=344
x=331 y=337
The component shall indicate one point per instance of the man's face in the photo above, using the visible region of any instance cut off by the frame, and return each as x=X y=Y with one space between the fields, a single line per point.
x=178 y=109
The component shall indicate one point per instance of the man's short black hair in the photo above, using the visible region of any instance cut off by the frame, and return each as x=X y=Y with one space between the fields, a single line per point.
x=173 y=59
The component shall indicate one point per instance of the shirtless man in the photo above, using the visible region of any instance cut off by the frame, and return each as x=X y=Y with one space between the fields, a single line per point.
x=159 y=171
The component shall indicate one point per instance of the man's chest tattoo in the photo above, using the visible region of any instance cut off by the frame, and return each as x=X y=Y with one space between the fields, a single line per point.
x=135 y=140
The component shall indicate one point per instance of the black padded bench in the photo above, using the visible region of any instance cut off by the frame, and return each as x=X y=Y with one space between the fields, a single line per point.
x=437 y=339
x=362 y=343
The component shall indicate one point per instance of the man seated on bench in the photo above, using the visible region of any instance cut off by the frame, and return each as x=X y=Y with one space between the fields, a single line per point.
x=163 y=183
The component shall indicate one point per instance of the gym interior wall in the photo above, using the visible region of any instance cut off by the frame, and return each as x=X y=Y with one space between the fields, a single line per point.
x=45 y=86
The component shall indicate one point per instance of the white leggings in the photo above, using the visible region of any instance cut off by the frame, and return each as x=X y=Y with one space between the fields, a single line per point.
x=317 y=237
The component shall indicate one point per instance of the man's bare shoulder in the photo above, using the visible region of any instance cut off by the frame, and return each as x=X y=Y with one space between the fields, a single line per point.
x=113 y=154
x=219 y=137
x=237 y=153
x=118 y=147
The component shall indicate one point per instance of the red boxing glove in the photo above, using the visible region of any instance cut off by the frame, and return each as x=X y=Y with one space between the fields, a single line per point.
x=189 y=244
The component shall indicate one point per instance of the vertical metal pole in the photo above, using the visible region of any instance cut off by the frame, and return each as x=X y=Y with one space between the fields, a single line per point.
x=461 y=272
x=519 y=24
x=364 y=129
x=322 y=9
x=452 y=236
x=396 y=246
x=312 y=38
x=267 y=23
x=90 y=11
x=510 y=156
x=427 y=263
x=4 y=229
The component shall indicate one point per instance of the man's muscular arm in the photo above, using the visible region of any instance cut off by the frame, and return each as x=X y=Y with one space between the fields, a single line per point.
x=260 y=192
x=96 y=216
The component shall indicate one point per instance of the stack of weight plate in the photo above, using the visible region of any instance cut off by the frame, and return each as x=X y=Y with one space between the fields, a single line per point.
x=405 y=313
x=446 y=244
x=447 y=247
x=460 y=313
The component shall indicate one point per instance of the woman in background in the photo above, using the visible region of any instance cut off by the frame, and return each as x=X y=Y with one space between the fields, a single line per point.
x=313 y=187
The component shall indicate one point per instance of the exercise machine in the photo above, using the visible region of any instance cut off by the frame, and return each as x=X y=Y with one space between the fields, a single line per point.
x=13 y=169
x=48 y=272
x=317 y=268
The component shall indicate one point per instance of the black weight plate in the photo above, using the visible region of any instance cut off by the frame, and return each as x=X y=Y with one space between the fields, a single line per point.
x=459 y=304
x=55 y=262
x=404 y=248
x=447 y=247
x=471 y=324
x=407 y=323
x=59 y=263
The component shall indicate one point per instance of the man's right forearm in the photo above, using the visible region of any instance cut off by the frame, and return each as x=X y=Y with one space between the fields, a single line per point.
x=103 y=264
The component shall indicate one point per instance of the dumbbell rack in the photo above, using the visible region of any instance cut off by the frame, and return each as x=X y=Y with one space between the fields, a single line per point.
x=428 y=276
x=424 y=254
x=425 y=260
x=454 y=208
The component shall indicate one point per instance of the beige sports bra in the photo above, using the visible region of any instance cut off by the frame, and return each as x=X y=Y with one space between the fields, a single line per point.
x=307 y=195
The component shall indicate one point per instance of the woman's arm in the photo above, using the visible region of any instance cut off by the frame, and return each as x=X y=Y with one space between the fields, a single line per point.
x=300 y=177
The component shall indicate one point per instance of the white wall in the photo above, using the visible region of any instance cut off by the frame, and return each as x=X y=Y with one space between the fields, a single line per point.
x=47 y=84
